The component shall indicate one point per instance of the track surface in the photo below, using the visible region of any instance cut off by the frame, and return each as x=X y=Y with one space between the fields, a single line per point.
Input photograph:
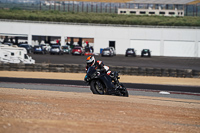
x=121 y=60
x=86 y=89
x=49 y=105
x=173 y=88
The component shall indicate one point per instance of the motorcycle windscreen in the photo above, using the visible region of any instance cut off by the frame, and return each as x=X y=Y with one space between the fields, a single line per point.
x=91 y=70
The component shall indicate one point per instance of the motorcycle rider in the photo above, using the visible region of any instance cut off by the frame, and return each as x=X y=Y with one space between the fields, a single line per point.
x=100 y=66
x=97 y=64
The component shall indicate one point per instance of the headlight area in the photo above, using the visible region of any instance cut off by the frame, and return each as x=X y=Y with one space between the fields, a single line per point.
x=86 y=78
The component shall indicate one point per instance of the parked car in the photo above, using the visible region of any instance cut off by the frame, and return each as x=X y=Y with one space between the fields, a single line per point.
x=66 y=49
x=130 y=51
x=77 y=51
x=113 y=50
x=146 y=52
x=89 y=50
x=46 y=47
x=107 y=52
x=56 y=49
x=27 y=47
x=39 y=49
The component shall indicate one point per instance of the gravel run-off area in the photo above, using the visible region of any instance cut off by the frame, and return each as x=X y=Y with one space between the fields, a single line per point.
x=23 y=110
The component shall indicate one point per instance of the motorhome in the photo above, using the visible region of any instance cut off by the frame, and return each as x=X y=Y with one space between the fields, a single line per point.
x=14 y=54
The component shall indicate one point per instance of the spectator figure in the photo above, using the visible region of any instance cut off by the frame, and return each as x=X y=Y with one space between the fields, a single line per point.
x=58 y=41
x=87 y=43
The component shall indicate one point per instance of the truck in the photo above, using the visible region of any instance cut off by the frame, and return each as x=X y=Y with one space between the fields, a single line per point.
x=14 y=54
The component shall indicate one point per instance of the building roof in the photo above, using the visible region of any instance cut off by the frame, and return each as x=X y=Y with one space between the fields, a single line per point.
x=194 y=2
x=164 y=1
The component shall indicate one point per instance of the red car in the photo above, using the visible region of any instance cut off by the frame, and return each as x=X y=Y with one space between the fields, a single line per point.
x=77 y=51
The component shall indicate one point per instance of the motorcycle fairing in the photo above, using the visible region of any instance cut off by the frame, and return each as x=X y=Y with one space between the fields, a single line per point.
x=107 y=81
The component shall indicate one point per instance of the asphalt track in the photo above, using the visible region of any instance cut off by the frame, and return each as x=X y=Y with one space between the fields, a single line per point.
x=190 y=90
x=86 y=89
x=121 y=60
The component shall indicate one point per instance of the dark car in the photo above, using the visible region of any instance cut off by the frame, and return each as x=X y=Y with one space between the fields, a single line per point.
x=66 y=49
x=89 y=51
x=131 y=52
x=38 y=49
x=56 y=49
x=78 y=51
x=107 y=52
x=146 y=53
x=27 y=47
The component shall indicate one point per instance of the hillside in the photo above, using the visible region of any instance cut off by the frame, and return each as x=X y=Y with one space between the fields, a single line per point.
x=98 y=18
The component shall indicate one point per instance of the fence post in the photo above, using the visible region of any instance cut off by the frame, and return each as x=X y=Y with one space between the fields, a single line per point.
x=186 y=10
x=54 y=6
x=59 y=6
x=196 y=10
x=87 y=8
x=110 y=7
x=68 y=6
x=96 y=8
x=73 y=6
x=91 y=6
x=82 y=6
x=193 y=10
x=40 y=5
x=101 y=7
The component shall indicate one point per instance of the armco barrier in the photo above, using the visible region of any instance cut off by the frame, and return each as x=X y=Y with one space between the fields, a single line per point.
x=75 y=68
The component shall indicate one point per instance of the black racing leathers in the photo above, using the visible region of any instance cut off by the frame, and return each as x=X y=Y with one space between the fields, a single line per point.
x=99 y=65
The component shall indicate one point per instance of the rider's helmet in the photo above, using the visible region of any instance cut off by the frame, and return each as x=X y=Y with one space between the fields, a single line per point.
x=90 y=61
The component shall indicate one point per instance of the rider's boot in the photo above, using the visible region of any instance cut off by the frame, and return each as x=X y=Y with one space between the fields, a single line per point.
x=111 y=90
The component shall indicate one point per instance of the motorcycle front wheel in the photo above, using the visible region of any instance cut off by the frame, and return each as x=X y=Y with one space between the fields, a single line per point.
x=97 y=87
x=123 y=91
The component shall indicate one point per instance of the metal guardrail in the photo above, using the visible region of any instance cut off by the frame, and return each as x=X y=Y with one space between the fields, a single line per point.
x=75 y=68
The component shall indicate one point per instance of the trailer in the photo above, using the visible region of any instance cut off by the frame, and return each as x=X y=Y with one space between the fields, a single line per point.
x=14 y=54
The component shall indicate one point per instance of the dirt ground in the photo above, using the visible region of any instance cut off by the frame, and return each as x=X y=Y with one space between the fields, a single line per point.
x=23 y=110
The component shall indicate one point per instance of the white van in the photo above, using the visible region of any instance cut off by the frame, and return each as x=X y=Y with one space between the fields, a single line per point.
x=14 y=54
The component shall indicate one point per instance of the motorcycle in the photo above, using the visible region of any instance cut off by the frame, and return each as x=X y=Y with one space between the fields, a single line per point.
x=103 y=84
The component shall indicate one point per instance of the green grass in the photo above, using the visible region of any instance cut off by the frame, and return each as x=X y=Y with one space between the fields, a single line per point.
x=99 y=18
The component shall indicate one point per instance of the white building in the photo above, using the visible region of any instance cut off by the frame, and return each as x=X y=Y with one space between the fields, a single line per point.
x=162 y=41
x=158 y=12
x=160 y=7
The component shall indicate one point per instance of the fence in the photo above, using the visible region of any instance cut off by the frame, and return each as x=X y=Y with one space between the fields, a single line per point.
x=75 y=68
x=96 y=7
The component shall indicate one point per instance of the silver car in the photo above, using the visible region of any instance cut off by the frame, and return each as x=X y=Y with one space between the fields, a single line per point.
x=56 y=49
x=107 y=52
x=113 y=50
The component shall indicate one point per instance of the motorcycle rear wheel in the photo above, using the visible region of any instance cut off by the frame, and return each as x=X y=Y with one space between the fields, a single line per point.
x=97 y=87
